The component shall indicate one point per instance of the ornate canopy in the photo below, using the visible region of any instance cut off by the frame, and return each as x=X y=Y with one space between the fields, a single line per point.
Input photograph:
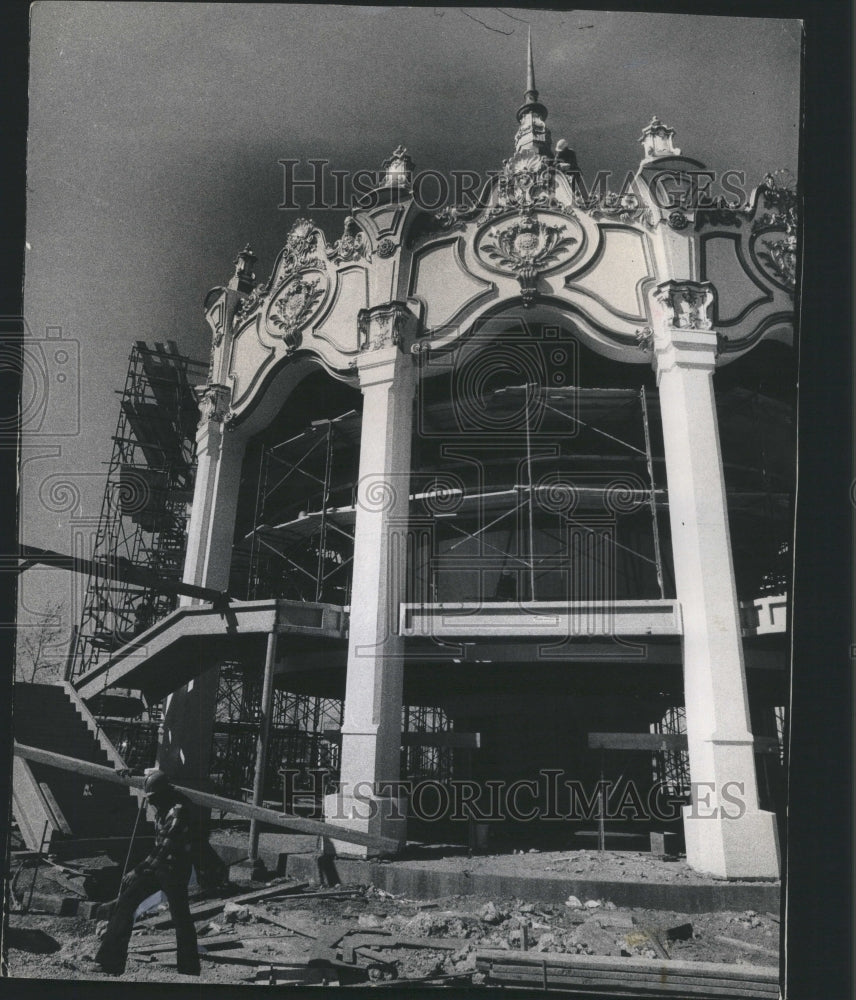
x=537 y=242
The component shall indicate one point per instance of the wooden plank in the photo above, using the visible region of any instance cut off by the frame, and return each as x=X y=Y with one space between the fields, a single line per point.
x=716 y=970
x=384 y=845
x=53 y=805
x=210 y=908
x=220 y=941
x=663 y=741
x=632 y=986
x=287 y=925
x=615 y=975
x=637 y=741
x=760 y=949
x=457 y=741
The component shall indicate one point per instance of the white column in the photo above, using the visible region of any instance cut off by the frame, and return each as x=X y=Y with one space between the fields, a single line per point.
x=188 y=723
x=371 y=730
x=726 y=833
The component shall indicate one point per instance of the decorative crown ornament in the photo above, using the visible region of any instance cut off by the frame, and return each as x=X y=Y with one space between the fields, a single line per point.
x=398 y=168
x=658 y=140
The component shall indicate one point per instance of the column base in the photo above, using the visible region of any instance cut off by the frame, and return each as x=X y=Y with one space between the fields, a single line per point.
x=725 y=847
x=375 y=815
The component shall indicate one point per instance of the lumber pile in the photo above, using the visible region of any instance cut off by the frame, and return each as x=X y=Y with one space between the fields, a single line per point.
x=640 y=976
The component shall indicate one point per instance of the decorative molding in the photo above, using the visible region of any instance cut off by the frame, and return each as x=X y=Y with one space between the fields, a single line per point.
x=398 y=168
x=658 y=140
x=352 y=245
x=292 y=307
x=253 y=300
x=244 y=276
x=723 y=213
x=677 y=220
x=386 y=248
x=688 y=305
x=777 y=257
x=213 y=401
x=301 y=249
x=384 y=326
x=623 y=208
x=527 y=181
x=524 y=247
x=645 y=339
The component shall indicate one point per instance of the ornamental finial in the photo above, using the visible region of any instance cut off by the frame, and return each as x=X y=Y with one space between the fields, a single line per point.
x=244 y=277
x=658 y=140
x=533 y=132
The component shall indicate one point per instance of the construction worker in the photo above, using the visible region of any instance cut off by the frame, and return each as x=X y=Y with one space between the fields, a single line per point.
x=168 y=868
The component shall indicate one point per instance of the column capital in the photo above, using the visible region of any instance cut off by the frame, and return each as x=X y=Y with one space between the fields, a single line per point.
x=385 y=333
x=390 y=324
x=683 y=333
x=213 y=400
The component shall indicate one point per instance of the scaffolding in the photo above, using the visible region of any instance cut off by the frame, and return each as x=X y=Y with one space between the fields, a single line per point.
x=146 y=500
x=301 y=544
x=304 y=734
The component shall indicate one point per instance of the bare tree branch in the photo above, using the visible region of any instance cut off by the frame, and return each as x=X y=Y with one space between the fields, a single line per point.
x=489 y=27
x=36 y=643
x=522 y=20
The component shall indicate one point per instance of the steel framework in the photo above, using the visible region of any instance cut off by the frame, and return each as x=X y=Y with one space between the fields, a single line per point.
x=304 y=733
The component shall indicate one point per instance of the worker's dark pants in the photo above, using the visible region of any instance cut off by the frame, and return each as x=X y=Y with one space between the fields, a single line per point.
x=113 y=953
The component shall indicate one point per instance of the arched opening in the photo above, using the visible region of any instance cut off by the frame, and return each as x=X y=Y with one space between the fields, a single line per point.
x=539 y=479
x=293 y=540
x=294 y=525
x=538 y=473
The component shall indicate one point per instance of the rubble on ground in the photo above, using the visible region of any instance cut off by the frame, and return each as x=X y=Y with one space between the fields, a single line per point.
x=296 y=934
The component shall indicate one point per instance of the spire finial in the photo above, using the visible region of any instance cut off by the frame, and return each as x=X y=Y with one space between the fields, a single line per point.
x=532 y=133
x=531 y=92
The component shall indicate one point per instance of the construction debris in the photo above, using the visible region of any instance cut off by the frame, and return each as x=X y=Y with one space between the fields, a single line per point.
x=289 y=933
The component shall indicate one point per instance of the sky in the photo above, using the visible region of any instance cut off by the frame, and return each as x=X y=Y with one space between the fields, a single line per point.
x=155 y=137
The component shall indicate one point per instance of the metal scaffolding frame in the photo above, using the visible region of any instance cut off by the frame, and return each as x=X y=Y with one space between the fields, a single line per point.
x=304 y=733
x=312 y=534
x=672 y=766
x=144 y=509
x=425 y=762
x=527 y=502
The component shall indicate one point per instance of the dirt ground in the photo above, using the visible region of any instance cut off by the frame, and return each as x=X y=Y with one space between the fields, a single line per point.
x=630 y=866
x=50 y=947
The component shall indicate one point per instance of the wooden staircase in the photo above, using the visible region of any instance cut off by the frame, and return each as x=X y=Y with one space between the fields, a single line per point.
x=74 y=807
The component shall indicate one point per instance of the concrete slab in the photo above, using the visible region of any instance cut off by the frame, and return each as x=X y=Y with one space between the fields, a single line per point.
x=424 y=880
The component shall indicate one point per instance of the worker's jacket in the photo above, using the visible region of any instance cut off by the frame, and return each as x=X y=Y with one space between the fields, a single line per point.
x=176 y=840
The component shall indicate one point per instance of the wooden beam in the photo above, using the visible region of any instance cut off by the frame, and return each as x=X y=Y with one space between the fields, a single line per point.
x=663 y=741
x=120 y=569
x=456 y=741
x=384 y=845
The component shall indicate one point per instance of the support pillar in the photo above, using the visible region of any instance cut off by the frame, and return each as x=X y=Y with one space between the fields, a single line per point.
x=726 y=833
x=263 y=741
x=185 y=750
x=371 y=730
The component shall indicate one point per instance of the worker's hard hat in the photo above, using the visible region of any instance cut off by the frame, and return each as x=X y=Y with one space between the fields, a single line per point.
x=156 y=783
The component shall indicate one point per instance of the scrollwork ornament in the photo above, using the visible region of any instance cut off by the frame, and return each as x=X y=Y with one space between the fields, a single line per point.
x=688 y=304
x=213 y=401
x=301 y=248
x=616 y=207
x=645 y=338
x=352 y=245
x=527 y=181
x=525 y=247
x=778 y=256
x=253 y=300
x=293 y=306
